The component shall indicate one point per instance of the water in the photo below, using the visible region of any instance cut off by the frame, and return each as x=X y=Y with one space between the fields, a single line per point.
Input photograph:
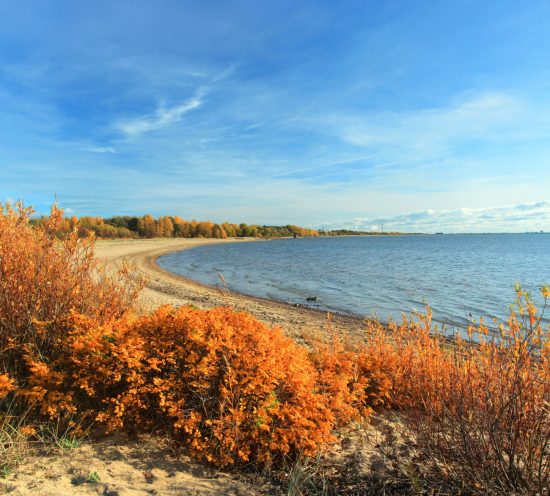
x=461 y=276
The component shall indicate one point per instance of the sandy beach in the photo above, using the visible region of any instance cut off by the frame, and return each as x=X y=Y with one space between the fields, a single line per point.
x=153 y=465
x=167 y=288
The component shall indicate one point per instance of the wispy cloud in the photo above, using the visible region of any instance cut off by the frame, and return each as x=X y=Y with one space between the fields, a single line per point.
x=301 y=115
x=100 y=149
x=161 y=118
x=483 y=115
x=512 y=218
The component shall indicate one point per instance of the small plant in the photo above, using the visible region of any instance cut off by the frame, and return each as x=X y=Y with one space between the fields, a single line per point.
x=93 y=477
x=5 y=471
x=303 y=477
x=69 y=444
x=83 y=478
x=14 y=437
x=66 y=433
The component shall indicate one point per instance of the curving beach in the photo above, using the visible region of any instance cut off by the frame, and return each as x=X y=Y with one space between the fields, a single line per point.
x=150 y=465
x=167 y=288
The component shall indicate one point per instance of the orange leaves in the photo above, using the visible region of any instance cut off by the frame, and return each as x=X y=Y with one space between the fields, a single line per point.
x=479 y=405
x=43 y=279
x=231 y=389
x=236 y=390
x=6 y=385
x=45 y=389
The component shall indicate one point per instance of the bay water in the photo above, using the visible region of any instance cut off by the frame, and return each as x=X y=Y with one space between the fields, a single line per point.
x=461 y=276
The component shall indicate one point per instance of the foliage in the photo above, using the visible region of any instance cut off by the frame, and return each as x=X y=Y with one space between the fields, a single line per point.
x=479 y=407
x=43 y=280
x=349 y=377
x=169 y=227
x=228 y=387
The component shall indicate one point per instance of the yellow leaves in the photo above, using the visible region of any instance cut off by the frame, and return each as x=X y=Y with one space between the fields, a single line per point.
x=37 y=369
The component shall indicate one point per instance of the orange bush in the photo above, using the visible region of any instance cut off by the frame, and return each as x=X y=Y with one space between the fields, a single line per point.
x=349 y=377
x=480 y=407
x=42 y=280
x=230 y=388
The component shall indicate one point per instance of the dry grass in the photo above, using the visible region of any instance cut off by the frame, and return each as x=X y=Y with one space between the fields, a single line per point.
x=479 y=409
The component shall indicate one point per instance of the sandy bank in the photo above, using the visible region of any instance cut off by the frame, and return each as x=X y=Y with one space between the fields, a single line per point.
x=165 y=287
x=151 y=465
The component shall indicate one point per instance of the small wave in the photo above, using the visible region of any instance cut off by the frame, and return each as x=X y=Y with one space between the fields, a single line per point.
x=458 y=275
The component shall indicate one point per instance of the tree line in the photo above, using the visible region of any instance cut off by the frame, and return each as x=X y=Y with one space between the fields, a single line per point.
x=171 y=227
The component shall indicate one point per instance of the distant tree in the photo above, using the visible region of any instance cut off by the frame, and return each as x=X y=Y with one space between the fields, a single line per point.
x=218 y=232
x=133 y=224
x=230 y=229
x=147 y=227
x=165 y=227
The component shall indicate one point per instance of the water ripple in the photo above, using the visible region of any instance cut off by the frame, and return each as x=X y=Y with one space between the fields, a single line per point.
x=462 y=276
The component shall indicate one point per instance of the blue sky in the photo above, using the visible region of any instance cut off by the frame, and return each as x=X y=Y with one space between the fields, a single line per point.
x=424 y=115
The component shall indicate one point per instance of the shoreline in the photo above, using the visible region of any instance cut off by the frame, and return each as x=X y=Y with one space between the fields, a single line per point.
x=164 y=287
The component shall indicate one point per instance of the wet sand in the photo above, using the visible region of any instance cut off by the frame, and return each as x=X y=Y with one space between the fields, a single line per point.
x=164 y=287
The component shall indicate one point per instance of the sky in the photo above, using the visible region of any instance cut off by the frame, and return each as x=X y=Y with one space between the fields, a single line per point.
x=419 y=116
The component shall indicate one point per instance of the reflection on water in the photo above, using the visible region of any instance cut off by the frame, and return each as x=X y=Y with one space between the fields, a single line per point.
x=461 y=276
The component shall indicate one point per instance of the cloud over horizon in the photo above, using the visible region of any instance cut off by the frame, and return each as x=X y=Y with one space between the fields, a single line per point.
x=512 y=218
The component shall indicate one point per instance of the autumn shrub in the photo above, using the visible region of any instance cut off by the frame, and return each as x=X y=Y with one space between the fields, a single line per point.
x=237 y=391
x=479 y=407
x=348 y=376
x=229 y=388
x=42 y=280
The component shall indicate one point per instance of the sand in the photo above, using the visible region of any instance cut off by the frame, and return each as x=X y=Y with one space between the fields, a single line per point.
x=150 y=465
x=124 y=467
x=165 y=287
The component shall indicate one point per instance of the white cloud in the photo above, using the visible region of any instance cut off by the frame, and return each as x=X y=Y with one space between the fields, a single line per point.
x=511 y=218
x=100 y=149
x=161 y=118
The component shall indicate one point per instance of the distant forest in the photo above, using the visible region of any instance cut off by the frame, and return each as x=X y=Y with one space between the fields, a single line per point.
x=172 y=227
x=176 y=227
